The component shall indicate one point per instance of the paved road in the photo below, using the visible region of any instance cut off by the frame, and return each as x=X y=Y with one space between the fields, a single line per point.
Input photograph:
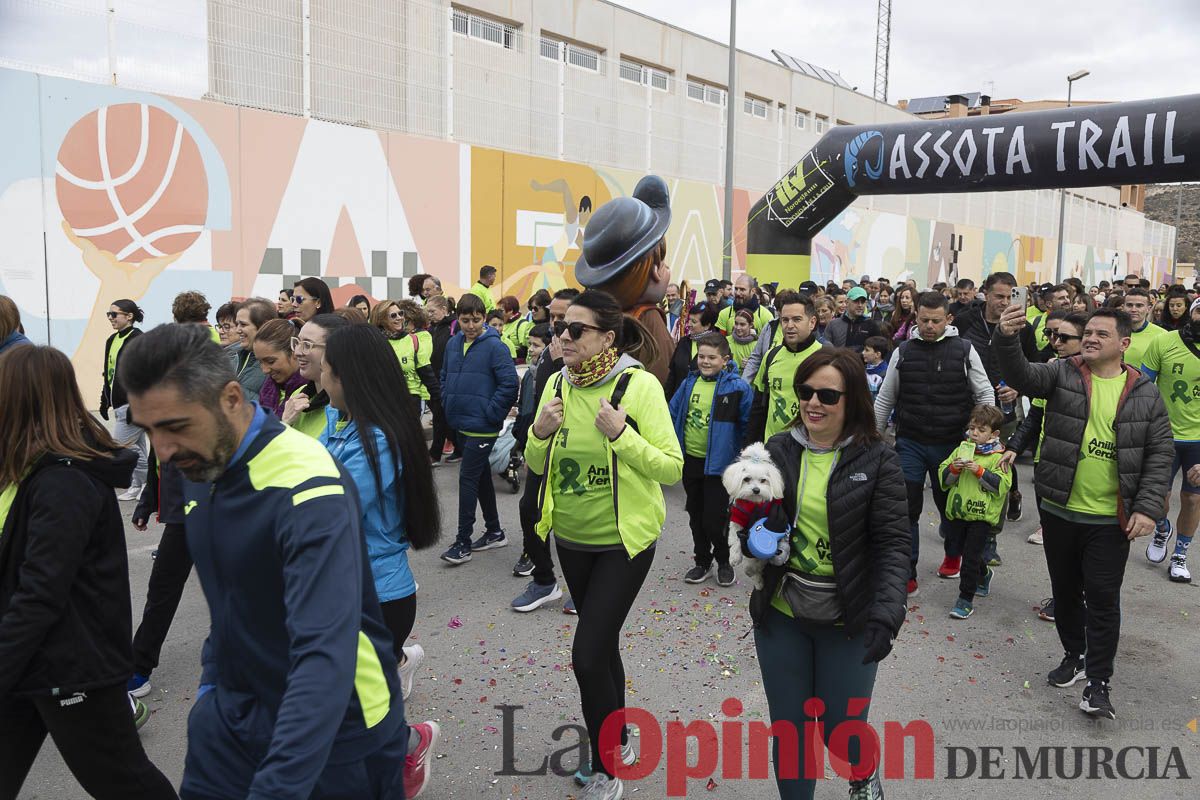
x=978 y=683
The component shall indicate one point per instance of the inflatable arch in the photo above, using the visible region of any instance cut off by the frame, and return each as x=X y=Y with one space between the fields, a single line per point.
x=1145 y=141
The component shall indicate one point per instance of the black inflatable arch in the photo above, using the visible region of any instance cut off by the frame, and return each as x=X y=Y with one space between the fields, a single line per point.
x=1145 y=141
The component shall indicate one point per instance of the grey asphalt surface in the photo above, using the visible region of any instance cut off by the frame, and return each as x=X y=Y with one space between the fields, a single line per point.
x=978 y=683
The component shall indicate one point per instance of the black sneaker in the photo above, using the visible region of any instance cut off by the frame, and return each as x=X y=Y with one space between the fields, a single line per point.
x=1070 y=670
x=1014 y=506
x=524 y=566
x=867 y=789
x=724 y=575
x=1095 y=700
x=490 y=541
x=457 y=554
x=454 y=458
x=697 y=574
x=1046 y=612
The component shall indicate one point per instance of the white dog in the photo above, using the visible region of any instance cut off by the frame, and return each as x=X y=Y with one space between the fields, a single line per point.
x=754 y=486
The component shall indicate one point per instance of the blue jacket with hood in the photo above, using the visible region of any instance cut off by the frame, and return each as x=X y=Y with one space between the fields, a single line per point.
x=730 y=415
x=298 y=652
x=479 y=386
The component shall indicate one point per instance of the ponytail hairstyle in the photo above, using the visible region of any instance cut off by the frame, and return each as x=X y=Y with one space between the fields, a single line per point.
x=131 y=308
x=377 y=398
x=631 y=336
x=277 y=333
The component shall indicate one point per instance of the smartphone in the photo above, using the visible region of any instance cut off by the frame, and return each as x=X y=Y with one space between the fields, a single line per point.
x=1020 y=296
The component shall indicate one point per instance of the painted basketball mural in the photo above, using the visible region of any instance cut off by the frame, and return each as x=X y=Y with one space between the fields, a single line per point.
x=130 y=180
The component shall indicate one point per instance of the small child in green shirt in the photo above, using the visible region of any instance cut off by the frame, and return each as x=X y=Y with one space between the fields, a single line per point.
x=976 y=488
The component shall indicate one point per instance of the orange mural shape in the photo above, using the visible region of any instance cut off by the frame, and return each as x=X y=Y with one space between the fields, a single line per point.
x=130 y=180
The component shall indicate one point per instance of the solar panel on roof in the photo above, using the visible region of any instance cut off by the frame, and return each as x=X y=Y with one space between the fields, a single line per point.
x=810 y=69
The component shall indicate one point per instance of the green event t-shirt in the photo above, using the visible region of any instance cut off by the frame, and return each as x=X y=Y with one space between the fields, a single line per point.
x=966 y=498
x=411 y=361
x=1139 y=343
x=1178 y=379
x=782 y=403
x=579 y=473
x=695 y=427
x=810 y=535
x=516 y=335
x=740 y=352
x=762 y=318
x=6 y=502
x=484 y=294
x=1095 y=488
x=110 y=369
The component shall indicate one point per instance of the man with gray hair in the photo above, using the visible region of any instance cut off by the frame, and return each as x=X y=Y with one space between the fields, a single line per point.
x=299 y=694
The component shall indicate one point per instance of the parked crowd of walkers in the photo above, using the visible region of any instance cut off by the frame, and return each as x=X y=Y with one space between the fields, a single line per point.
x=282 y=451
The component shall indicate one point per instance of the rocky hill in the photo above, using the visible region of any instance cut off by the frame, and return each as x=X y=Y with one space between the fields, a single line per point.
x=1161 y=202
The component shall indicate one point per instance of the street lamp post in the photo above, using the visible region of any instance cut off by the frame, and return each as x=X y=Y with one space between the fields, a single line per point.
x=1062 y=199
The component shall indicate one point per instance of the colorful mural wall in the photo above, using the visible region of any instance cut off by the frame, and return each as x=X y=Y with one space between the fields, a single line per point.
x=107 y=193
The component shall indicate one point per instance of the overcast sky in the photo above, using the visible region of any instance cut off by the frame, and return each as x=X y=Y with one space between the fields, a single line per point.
x=1013 y=48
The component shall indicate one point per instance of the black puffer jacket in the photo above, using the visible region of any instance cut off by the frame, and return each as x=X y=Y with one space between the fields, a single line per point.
x=1145 y=448
x=65 y=620
x=868 y=531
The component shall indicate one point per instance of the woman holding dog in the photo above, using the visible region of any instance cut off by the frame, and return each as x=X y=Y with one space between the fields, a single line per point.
x=604 y=441
x=826 y=618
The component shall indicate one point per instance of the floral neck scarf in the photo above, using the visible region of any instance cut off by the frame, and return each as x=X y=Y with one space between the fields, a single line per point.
x=747 y=339
x=594 y=369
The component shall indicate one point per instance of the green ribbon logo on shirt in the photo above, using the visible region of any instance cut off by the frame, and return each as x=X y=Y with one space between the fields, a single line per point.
x=1179 y=391
x=569 y=470
x=780 y=414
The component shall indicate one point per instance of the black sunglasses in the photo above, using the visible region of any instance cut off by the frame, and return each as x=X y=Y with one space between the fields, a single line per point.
x=827 y=397
x=115 y=314
x=575 y=329
x=1062 y=337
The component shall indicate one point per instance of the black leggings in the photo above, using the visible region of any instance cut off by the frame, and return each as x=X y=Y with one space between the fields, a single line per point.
x=168 y=576
x=604 y=585
x=95 y=734
x=399 y=616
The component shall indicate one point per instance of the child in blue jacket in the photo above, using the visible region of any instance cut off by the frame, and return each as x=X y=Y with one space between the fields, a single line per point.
x=710 y=409
x=479 y=387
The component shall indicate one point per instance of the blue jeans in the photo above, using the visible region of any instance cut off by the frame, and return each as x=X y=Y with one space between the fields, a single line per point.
x=916 y=461
x=475 y=483
x=801 y=661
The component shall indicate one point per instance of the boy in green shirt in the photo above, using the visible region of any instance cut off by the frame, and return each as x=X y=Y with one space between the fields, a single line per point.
x=975 y=488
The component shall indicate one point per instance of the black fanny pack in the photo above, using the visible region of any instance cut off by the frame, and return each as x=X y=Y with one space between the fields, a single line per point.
x=811 y=598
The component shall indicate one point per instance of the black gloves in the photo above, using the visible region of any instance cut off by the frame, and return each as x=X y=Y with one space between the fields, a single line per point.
x=877 y=639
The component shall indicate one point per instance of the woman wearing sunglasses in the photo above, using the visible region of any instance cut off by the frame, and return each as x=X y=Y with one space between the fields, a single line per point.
x=310 y=297
x=1065 y=334
x=605 y=443
x=826 y=618
x=123 y=315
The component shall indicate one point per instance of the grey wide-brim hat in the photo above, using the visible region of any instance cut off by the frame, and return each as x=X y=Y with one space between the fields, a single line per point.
x=622 y=231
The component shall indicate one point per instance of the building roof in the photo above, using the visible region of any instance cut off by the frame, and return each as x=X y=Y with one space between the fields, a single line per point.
x=930 y=105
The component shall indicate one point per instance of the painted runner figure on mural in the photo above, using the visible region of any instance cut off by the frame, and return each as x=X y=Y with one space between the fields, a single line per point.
x=624 y=253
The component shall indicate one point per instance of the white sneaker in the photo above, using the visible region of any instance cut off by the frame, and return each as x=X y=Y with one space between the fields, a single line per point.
x=132 y=493
x=1036 y=536
x=602 y=787
x=414 y=654
x=1179 y=571
x=1156 y=551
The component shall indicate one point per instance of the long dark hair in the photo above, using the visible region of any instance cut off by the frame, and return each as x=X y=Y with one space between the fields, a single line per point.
x=44 y=412
x=860 y=414
x=1175 y=323
x=900 y=317
x=376 y=396
x=319 y=289
x=631 y=336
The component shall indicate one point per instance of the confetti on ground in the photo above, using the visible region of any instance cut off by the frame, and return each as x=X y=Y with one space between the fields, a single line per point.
x=454 y=623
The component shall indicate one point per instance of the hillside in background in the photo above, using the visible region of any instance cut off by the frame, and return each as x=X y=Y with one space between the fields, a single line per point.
x=1161 y=202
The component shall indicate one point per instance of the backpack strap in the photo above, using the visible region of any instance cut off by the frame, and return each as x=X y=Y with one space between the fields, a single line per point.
x=619 y=394
x=766 y=367
x=416 y=343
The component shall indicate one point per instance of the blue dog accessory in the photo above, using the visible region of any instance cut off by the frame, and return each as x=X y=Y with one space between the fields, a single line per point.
x=764 y=542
